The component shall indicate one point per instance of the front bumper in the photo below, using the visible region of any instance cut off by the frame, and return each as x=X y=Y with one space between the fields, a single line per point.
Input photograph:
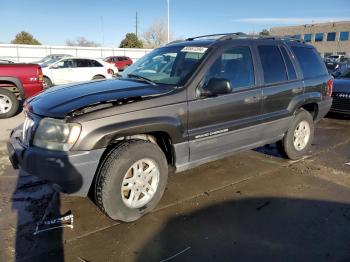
x=70 y=172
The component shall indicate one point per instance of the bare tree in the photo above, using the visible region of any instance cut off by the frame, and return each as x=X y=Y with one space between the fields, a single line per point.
x=156 y=35
x=81 y=41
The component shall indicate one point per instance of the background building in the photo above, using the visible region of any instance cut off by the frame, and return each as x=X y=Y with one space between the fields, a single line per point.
x=329 y=38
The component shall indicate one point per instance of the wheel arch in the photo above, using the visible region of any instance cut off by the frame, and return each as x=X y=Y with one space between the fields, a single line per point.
x=13 y=83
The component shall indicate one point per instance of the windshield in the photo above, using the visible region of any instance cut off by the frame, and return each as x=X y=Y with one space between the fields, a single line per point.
x=168 y=65
x=49 y=62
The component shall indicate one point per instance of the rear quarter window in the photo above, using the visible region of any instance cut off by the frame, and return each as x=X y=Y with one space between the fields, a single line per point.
x=310 y=62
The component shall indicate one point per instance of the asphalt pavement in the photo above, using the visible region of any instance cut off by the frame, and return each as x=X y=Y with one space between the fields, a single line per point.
x=254 y=206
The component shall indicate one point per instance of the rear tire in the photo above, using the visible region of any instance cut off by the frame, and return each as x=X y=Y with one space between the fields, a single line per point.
x=98 y=77
x=131 y=180
x=297 y=141
x=9 y=104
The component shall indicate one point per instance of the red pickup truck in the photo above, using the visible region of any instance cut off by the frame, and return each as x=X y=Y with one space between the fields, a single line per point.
x=18 y=82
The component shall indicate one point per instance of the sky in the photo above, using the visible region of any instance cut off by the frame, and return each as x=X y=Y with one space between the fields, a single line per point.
x=106 y=22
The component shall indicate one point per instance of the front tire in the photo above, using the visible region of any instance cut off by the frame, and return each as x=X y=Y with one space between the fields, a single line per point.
x=9 y=104
x=131 y=180
x=297 y=141
x=47 y=83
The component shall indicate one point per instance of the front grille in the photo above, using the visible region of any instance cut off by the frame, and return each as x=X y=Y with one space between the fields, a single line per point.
x=28 y=130
x=341 y=101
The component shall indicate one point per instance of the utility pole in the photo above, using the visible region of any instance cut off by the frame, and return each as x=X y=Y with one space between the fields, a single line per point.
x=136 y=24
x=102 y=31
x=168 y=1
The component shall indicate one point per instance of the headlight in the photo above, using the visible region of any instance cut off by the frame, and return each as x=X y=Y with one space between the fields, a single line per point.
x=55 y=134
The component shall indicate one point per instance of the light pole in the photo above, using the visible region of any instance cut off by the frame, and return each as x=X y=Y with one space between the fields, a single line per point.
x=168 y=1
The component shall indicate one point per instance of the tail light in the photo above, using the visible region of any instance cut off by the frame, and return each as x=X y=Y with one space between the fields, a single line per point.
x=110 y=71
x=40 y=74
x=329 y=87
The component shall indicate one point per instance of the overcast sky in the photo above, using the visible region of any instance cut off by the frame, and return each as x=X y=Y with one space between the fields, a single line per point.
x=107 y=21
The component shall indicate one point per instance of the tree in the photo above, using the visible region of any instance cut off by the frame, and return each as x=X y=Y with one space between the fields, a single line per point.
x=131 y=41
x=25 y=38
x=82 y=41
x=264 y=32
x=156 y=35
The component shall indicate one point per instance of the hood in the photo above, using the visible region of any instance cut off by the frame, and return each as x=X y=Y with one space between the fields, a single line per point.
x=341 y=85
x=59 y=101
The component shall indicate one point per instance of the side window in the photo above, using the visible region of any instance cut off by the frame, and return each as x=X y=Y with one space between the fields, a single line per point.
x=309 y=61
x=65 y=64
x=290 y=68
x=94 y=63
x=235 y=65
x=272 y=64
x=83 y=63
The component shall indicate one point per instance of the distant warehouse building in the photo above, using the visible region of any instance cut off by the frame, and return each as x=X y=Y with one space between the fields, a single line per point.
x=329 y=38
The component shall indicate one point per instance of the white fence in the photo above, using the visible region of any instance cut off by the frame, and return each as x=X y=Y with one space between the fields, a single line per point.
x=30 y=53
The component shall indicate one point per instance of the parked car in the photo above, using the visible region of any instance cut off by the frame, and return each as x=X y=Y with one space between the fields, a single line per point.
x=341 y=94
x=334 y=58
x=121 y=62
x=340 y=69
x=50 y=57
x=18 y=82
x=117 y=139
x=76 y=69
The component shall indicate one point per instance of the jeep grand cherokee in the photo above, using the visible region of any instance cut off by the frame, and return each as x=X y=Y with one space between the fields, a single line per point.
x=179 y=106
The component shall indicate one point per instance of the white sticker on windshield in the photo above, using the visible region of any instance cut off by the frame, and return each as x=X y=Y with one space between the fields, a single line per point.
x=194 y=49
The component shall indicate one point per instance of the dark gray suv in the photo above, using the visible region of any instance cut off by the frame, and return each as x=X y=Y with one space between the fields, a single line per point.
x=180 y=106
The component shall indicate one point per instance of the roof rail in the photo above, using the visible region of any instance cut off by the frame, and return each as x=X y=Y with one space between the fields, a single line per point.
x=216 y=35
x=237 y=35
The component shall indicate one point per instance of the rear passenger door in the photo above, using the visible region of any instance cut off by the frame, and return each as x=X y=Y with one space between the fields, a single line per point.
x=225 y=123
x=86 y=69
x=280 y=84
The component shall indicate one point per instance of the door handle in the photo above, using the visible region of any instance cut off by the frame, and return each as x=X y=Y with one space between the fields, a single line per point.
x=252 y=99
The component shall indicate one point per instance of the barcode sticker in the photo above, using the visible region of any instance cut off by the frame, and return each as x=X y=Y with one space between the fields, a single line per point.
x=194 y=49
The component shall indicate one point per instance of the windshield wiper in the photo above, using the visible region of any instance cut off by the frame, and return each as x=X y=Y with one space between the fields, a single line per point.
x=142 y=78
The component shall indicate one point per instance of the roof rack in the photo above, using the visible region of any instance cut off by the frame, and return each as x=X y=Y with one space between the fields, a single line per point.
x=217 y=36
x=240 y=35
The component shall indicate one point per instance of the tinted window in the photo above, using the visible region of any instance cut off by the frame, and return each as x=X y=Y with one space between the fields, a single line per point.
x=307 y=37
x=297 y=36
x=235 y=65
x=94 y=63
x=273 y=64
x=331 y=36
x=82 y=63
x=344 y=36
x=309 y=61
x=290 y=68
x=319 y=37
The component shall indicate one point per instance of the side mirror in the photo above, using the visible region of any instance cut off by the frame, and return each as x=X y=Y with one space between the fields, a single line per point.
x=216 y=86
x=54 y=66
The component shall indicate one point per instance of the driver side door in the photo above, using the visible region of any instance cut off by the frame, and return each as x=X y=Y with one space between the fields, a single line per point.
x=62 y=71
x=222 y=124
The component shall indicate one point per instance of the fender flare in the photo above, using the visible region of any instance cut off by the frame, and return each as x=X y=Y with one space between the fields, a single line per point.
x=307 y=98
x=16 y=82
x=105 y=135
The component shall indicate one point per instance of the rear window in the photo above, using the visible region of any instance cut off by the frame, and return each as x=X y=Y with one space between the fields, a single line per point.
x=273 y=64
x=309 y=61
